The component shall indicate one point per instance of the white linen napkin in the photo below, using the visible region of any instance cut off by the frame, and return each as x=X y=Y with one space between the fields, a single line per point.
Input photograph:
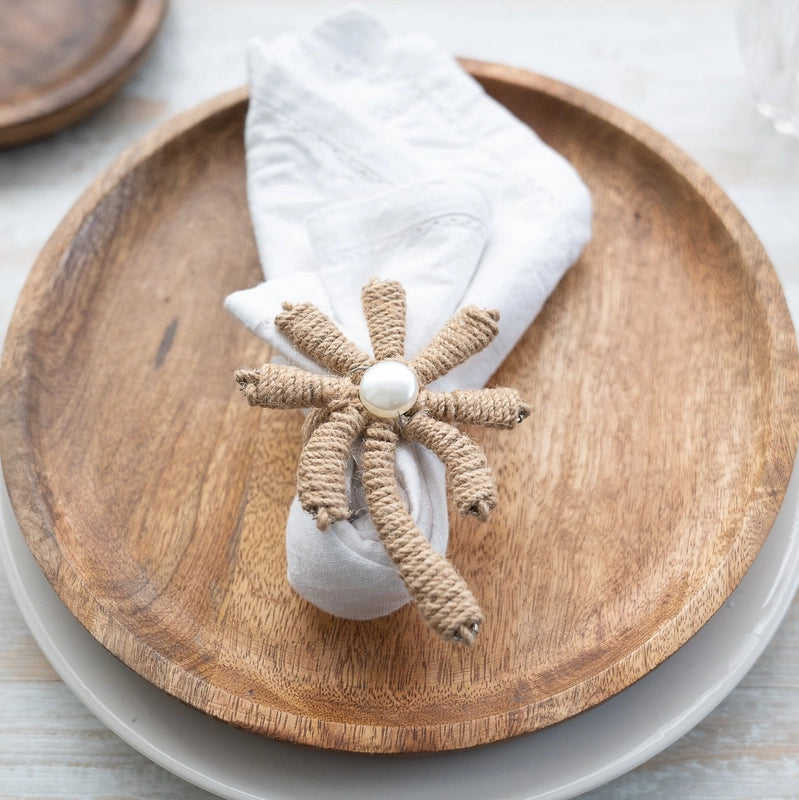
x=371 y=156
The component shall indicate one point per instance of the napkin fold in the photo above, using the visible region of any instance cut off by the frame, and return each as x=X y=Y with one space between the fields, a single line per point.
x=376 y=156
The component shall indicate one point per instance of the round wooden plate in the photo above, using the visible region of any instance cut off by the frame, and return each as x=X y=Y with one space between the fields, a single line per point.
x=663 y=377
x=61 y=60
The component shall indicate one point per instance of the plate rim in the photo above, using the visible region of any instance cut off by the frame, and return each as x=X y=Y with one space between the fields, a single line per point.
x=35 y=521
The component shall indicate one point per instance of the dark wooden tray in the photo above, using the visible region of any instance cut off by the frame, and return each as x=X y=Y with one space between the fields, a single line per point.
x=663 y=377
x=61 y=60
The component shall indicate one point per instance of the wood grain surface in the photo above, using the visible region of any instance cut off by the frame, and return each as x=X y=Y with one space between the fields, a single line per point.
x=61 y=60
x=663 y=374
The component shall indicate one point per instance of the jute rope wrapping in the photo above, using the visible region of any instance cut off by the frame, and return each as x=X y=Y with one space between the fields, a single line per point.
x=338 y=419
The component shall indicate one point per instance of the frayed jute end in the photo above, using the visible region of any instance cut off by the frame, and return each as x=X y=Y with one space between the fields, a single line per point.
x=467 y=632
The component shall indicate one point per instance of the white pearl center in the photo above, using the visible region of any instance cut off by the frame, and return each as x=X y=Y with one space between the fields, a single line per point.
x=388 y=388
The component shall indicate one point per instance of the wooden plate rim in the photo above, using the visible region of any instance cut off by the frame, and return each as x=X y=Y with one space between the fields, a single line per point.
x=68 y=102
x=37 y=525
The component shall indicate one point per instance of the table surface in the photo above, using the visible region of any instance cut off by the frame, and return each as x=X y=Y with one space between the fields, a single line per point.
x=674 y=65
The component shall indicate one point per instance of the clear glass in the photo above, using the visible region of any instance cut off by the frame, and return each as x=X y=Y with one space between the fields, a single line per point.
x=768 y=31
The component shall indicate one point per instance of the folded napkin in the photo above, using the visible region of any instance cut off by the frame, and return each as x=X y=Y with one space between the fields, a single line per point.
x=371 y=156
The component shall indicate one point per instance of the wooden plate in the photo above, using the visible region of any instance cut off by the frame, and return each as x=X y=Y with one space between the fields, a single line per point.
x=61 y=60
x=662 y=371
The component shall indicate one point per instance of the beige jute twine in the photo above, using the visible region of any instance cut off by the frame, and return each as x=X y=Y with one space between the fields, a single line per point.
x=338 y=420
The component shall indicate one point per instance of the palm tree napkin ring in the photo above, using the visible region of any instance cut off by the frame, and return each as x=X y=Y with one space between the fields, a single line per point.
x=379 y=400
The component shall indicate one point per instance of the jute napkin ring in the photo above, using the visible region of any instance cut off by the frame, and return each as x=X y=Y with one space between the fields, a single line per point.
x=379 y=400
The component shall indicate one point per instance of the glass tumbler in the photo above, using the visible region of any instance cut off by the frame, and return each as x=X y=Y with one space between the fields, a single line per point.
x=768 y=32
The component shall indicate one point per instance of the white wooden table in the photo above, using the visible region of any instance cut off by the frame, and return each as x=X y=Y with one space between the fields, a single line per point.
x=674 y=65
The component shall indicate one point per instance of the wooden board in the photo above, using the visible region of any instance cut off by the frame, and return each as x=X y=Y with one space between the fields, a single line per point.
x=662 y=372
x=61 y=60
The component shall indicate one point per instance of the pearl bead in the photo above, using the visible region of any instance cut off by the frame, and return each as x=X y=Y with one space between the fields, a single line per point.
x=388 y=388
